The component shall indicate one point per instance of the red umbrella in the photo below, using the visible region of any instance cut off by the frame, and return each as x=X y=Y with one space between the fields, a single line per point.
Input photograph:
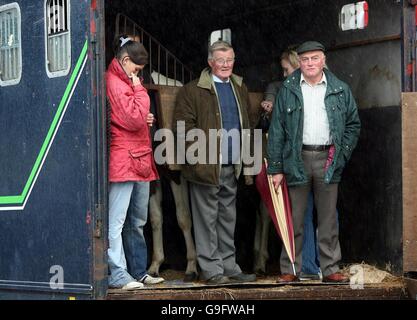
x=279 y=208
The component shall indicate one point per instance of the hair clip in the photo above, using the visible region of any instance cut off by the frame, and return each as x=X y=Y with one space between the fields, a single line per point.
x=124 y=41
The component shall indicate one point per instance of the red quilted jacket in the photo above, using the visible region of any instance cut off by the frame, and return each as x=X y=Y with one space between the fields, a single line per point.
x=131 y=157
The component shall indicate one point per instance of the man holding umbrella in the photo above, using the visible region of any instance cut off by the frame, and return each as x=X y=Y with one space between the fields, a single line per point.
x=315 y=127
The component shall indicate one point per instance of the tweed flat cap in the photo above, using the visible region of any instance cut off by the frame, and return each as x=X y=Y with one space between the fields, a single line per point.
x=310 y=46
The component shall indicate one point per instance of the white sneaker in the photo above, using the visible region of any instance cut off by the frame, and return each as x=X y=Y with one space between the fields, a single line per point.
x=147 y=279
x=133 y=285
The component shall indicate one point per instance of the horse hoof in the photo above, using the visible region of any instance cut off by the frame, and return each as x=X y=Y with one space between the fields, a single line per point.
x=190 y=277
x=260 y=272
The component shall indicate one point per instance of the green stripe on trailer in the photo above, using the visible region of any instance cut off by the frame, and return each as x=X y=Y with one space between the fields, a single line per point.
x=19 y=199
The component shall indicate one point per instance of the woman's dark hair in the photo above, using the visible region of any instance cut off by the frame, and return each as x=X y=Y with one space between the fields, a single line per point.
x=124 y=44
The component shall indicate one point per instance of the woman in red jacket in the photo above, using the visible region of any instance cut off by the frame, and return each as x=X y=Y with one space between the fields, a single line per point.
x=131 y=167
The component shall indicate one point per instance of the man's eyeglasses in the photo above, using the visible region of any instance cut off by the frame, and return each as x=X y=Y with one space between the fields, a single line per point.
x=222 y=62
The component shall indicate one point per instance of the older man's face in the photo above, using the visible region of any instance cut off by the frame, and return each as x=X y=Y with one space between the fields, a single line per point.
x=222 y=63
x=312 y=64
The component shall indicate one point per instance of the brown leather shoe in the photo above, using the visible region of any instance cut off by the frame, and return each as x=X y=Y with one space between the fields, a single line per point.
x=336 y=278
x=284 y=278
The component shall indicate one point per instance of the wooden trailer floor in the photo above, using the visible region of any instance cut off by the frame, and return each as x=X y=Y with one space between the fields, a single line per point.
x=264 y=288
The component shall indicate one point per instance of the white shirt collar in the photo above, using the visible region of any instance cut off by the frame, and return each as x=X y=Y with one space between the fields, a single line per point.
x=217 y=79
x=323 y=79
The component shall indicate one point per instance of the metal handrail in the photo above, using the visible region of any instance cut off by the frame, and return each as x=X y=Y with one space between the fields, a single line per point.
x=175 y=70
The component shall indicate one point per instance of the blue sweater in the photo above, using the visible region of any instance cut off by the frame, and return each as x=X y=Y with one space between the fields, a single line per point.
x=230 y=120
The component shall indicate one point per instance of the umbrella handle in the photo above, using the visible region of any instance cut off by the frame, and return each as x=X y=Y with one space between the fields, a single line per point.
x=266 y=167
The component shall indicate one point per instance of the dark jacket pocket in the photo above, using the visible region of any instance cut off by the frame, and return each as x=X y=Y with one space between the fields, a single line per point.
x=141 y=161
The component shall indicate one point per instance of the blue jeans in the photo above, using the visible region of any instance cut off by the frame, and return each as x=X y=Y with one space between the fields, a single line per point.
x=311 y=261
x=128 y=213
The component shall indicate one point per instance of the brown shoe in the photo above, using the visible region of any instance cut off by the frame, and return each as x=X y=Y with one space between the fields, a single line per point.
x=336 y=278
x=284 y=278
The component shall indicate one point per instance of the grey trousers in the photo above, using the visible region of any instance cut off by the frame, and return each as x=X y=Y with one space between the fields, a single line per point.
x=325 y=199
x=214 y=221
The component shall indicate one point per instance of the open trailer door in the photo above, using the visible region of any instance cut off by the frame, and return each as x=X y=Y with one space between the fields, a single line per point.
x=52 y=186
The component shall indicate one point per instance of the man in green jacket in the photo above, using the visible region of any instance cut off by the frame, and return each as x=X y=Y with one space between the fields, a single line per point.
x=315 y=127
x=218 y=100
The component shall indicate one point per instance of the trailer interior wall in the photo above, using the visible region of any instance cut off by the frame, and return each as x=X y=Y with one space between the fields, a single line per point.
x=409 y=147
x=369 y=60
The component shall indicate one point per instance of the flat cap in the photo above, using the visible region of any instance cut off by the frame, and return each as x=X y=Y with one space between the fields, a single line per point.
x=310 y=46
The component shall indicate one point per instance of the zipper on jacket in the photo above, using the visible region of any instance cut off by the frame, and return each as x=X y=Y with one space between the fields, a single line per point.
x=239 y=105
x=330 y=170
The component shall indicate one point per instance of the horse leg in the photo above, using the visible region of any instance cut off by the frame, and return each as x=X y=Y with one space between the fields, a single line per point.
x=263 y=223
x=180 y=193
x=155 y=214
x=257 y=241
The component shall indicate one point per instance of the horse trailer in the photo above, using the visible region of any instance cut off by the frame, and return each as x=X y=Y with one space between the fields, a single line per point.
x=53 y=119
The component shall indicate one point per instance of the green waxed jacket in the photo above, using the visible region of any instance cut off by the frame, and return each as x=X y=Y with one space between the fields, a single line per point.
x=286 y=130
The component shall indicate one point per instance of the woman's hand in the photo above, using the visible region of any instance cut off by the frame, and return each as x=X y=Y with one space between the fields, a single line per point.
x=150 y=119
x=135 y=79
x=266 y=105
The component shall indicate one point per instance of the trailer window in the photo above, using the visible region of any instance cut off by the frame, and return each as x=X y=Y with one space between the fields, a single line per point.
x=10 y=45
x=58 y=42
x=354 y=16
x=224 y=35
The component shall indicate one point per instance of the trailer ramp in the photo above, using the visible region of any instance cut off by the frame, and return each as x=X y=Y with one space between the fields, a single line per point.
x=265 y=288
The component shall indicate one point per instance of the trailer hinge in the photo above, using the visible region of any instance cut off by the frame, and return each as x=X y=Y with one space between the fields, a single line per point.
x=98 y=229
x=94 y=45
